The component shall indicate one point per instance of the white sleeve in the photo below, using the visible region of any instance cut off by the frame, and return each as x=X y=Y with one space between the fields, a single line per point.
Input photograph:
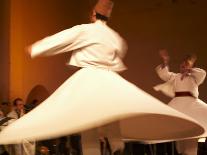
x=198 y=74
x=56 y=43
x=124 y=49
x=164 y=73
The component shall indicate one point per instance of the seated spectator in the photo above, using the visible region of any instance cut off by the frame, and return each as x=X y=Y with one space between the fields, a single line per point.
x=26 y=148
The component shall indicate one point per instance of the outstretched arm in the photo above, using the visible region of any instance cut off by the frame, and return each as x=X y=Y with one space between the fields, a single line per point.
x=57 y=43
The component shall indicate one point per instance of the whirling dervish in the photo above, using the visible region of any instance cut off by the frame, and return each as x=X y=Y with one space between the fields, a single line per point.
x=96 y=101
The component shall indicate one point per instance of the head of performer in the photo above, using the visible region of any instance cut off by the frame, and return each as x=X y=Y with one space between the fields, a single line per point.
x=188 y=63
x=102 y=10
x=18 y=104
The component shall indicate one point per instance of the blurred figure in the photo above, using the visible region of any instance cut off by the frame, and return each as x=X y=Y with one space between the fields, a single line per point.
x=29 y=106
x=94 y=45
x=183 y=88
x=17 y=111
x=1 y=114
x=2 y=148
x=96 y=96
x=5 y=107
x=26 y=148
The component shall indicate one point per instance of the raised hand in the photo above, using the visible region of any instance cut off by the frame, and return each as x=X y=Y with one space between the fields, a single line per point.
x=164 y=55
x=191 y=59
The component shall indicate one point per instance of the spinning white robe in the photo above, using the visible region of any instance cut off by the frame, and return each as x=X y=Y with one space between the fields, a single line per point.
x=191 y=106
x=96 y=95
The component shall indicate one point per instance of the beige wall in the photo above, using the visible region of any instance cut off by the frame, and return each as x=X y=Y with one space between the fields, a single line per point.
x=148 y=26
x=31 y=21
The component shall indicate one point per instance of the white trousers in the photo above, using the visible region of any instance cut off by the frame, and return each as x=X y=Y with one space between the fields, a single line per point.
x=187 y=147
x=26 y=148
x=91 y=143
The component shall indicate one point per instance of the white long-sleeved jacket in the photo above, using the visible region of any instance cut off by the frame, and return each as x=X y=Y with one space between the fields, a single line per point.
x=174 y=83
x=92 y=44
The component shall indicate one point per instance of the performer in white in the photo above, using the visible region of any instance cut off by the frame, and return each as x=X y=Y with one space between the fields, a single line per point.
x=96 y=100
x=183 y=88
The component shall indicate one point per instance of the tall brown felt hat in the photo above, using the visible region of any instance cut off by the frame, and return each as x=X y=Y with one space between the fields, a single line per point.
x=104 y=7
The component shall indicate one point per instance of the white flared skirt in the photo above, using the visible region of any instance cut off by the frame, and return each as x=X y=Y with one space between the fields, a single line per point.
x=192 y=107
x=92 y=98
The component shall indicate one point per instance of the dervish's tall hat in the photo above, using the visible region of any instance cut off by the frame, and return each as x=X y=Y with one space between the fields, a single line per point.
x=104 y=7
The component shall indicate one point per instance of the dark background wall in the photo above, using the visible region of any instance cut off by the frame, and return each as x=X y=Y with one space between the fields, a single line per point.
x=147 y=26
x=4 y=50
x=150 y=25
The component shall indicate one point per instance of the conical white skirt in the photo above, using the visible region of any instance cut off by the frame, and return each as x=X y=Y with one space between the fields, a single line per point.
x=92 y=98
x=192 y=107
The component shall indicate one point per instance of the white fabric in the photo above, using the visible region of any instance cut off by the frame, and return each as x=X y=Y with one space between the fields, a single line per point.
x=197 y=109
x=90 y=142
x=95 y=97
x=90 y=139
x=191 y=106
x=166 y=88
x=26 y=147
x=175 y=84
x=92 y=44
x=113 y=133
x=202 y=140
x=187 y=147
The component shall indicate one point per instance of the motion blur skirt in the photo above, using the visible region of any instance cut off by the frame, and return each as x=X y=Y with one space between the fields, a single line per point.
x=92 y=98
x=192 y=107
